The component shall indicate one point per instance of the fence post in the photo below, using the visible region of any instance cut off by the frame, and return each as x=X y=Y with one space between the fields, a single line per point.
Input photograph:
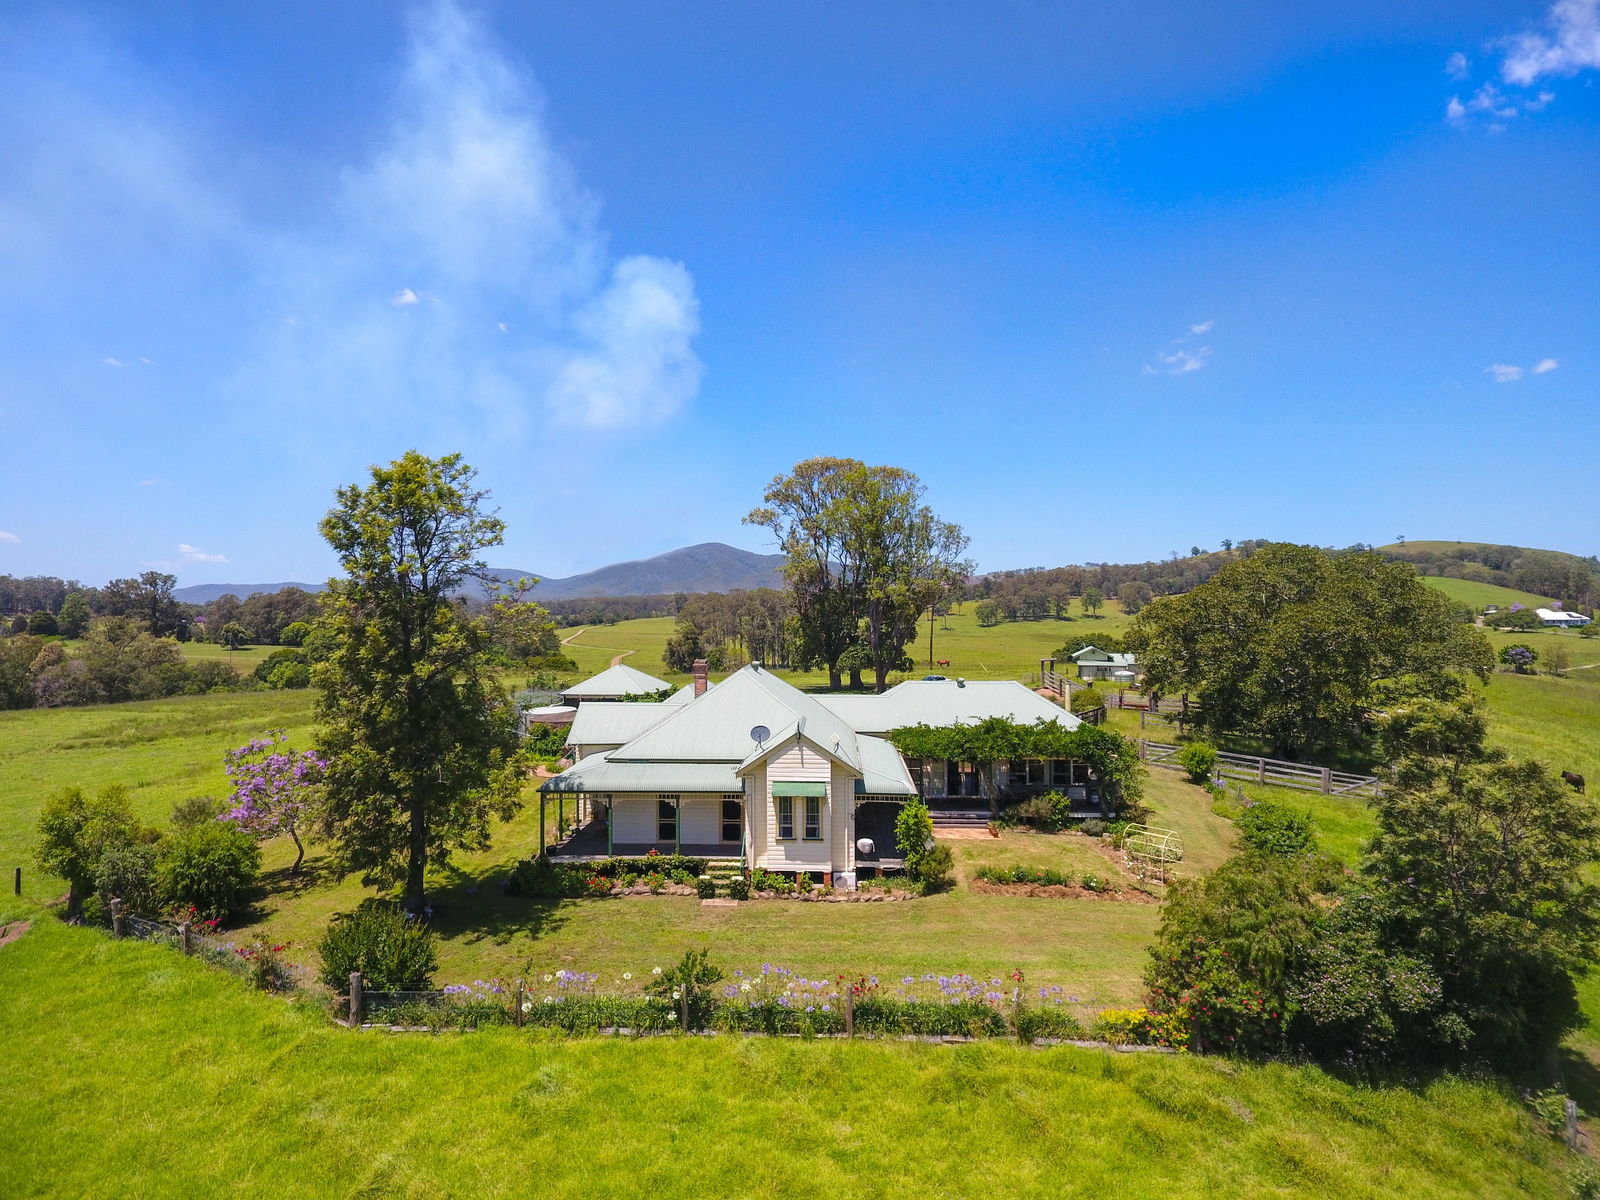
x=683 y=1008
x=1261 y=770
x=16 y=887
x=1327 y=781
x=849 y=1010
x=516 y=1016
x=117 y=919
x=355 y=999
x=1572 y=1123
x=184 y=939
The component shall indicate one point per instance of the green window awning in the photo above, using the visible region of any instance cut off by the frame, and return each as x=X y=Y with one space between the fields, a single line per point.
x=787 y=788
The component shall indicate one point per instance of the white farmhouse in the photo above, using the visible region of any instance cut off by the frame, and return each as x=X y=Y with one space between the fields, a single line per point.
x=1560 y=618
x=757 y=771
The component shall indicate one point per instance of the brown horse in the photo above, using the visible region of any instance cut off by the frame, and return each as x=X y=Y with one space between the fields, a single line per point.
x=1574 y=779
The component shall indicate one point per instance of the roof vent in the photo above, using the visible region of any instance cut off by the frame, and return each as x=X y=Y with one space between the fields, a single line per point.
x=961 y=682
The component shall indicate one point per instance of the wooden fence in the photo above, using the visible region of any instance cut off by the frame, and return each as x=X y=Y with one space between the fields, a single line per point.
x=1158 y=704
x=1252 y=768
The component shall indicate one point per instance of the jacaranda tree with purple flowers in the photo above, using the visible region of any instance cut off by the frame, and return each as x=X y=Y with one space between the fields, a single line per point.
x=275 y=789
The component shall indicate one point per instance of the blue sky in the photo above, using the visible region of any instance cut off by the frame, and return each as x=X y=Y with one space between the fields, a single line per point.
x=1113 y=280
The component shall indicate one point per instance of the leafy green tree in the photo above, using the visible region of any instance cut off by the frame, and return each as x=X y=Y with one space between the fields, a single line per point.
x=235 y=635
x=1484 y=867
x=804 y=512
x=1232 y=945
x=74 y=616
x=1518 y=619
x=421 y=743
x=43 y=624
x=148 y=599
x=75 y=833
x=987 y=612
x=1092 y=599
x=1519 y=657
x=866 y=559
x=1292 y=644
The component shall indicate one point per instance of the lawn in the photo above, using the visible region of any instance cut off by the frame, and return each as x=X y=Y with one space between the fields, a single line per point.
x=243 y=660
x=133 y=1071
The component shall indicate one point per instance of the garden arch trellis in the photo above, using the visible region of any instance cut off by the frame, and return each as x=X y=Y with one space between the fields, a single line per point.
x=1151 y=850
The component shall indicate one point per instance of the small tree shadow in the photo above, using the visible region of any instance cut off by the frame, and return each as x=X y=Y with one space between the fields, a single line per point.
x=474 y=906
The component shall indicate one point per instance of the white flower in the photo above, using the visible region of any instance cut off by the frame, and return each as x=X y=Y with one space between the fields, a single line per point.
x=655 y=970
x=627 y=974
x=527 y=1006
x=548 y=978
x=745 y=986
x=677 y=995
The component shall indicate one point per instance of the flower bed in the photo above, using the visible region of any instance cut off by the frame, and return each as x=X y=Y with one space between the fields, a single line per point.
x=1045 y=881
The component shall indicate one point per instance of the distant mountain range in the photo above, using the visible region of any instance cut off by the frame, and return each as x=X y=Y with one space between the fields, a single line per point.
x=708 y=567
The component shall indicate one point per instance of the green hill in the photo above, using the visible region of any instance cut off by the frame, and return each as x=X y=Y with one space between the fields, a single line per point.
x=133 y=1071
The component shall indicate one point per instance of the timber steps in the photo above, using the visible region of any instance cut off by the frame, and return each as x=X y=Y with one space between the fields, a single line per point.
x=974 y=818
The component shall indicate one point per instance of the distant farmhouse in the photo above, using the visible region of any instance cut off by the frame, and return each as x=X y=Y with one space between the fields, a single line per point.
x=756 y=771
x=1560 y=619
x=1095 y=663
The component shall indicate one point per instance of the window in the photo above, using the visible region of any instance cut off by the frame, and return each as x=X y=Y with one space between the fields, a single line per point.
x=666 y=818
x=732 y=819
x=1060 y=772
x=813 y=818
x=785 y=818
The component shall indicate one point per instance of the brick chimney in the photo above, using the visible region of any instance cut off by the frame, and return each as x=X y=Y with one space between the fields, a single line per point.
x=699 y=677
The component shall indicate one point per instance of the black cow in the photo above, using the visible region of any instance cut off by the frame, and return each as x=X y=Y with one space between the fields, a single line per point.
x=1573 y=778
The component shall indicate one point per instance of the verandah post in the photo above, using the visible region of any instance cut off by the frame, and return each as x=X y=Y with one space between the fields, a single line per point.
x=541 y=853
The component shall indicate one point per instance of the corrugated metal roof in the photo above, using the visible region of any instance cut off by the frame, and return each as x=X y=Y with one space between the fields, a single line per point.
x=613 y=722
x=883 y=771
x=946 y=702
x=620 y=680
x=686 y=693
x=597 y=774
x=716 y=727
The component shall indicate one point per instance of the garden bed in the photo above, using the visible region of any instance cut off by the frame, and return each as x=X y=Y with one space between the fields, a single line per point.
x=1058 y=891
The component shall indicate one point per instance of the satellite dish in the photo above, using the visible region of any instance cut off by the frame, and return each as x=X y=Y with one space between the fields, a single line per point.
x=760 y=734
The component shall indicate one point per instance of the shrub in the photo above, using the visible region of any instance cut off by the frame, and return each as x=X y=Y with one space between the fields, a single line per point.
x=1048 y=813
x=393 y=952
x=1036 y=1023
x=913 y=833
x=1141 y=1027
x=935 y=869
x=542 y=879
x=739 y=888
x=705 y=888
x=1093 y=827
x=1198 y=759
x=1275 y=828
x=688 y=987
x=265 y=966
x=197 y=810
x=208 y=867
x=76 y=831
x=128 y=873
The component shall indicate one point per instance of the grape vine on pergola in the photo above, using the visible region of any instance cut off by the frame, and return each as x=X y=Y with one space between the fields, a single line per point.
x=988 y=743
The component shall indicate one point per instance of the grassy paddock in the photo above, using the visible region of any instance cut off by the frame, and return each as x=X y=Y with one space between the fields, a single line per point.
x=1010 y=650
x=1480 y=595
x=191 y=1079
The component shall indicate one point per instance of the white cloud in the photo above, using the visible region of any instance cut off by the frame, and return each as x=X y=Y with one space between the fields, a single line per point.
x=467 y=197
x=1568 y=44
x=1175 y=359
x=1571 y=44
x=113 y=362
x=7 y=536
x=1503 y=372
x=195 y=555
x=1544 y=366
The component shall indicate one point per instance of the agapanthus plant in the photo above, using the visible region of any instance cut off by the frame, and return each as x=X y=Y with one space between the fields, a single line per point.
x=275 y=789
